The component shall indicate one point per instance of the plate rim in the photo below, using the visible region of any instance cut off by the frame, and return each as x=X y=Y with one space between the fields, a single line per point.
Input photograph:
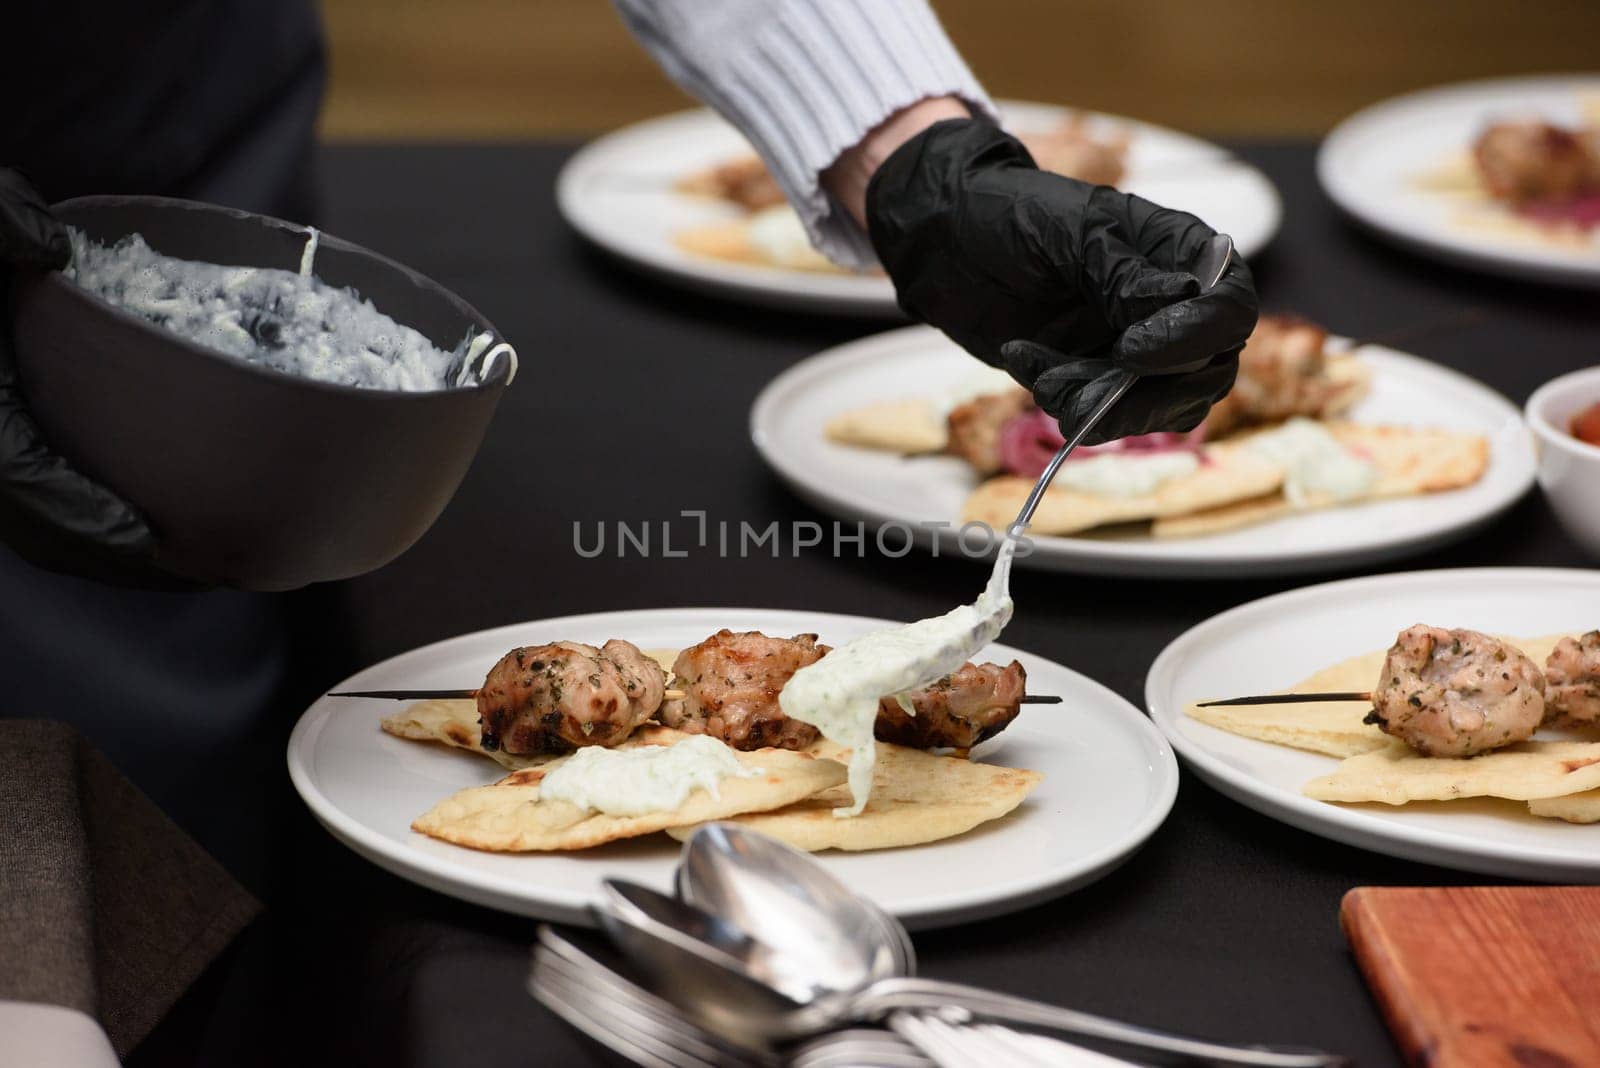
x=1351 y=826
x=1509 y=261
x=1069 y=553
x=493 y=890
x=819 y=295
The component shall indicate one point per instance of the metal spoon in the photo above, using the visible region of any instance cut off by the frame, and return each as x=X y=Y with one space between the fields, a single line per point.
x=735 y=985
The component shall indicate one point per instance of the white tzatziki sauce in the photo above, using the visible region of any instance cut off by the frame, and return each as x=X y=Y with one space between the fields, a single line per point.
x=1315 y=464
x=651 y=778
x=1116 y=475
x=839 y=694
x=779 y=235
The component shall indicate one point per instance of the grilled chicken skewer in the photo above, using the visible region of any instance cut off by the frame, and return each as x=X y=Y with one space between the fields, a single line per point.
x=1456 y=693
x=567 y=695
x=676 y=695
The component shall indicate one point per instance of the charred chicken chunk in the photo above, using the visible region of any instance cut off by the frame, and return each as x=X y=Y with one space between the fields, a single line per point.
x=551 y=698
x=1530 y=162
x=731 y=683
x=973 y=703
x=1072 y=149
x=1283 y=372
x=1454 y=693
x=744 y=180
x=1572 y=681
x=974 y=428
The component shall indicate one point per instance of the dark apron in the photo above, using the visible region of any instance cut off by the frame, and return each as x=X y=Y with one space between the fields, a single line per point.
x=211 y=100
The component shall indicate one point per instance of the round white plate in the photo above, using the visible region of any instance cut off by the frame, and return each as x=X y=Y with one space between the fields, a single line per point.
x=1371 y=162
x=617 y=191
x=862 y=484
x=1110 y=779
x=1275 y=642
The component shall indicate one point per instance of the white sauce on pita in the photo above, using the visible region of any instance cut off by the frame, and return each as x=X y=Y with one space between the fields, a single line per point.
x=651 y=778
x=1315 y=464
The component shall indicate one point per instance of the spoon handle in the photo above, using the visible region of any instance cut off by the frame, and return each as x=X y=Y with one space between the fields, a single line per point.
x=957 y=1002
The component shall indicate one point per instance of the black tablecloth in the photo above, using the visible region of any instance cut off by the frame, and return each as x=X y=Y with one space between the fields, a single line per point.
x=633 y=405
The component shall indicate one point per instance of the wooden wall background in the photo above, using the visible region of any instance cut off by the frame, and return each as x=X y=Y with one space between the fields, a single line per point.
x=497 y=69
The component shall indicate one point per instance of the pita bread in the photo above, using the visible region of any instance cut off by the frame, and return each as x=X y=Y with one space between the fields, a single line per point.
x=1397 y=774
x=452 y=723
x=730 y=241
x=1574 y=808
x=1335 y=728
x=917 y=797
x=1410 y=462
x=903 y=426
x=1231 y=474
x=510 y=817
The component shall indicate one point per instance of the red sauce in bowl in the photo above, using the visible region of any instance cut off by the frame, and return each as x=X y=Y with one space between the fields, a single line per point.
x=1586 y=425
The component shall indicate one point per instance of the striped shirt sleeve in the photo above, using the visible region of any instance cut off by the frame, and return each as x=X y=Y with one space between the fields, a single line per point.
x=804 y=80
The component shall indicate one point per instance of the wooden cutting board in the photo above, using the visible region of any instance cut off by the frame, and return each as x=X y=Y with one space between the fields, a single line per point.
x=1479 y=976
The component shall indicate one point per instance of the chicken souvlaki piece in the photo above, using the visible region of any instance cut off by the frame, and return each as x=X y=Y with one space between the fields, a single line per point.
x=731 y=683
x=1283 y=372
x=1572 y=682
x=566 y=695
x=970 y=705
x=1527 y=162
x=1455 y=693
x=973 y=428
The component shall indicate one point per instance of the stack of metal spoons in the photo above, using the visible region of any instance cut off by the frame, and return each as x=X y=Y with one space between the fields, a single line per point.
x=767 y=954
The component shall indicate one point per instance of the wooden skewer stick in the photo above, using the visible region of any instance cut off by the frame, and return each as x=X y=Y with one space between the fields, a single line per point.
x=1290 y=698
x=467 y=695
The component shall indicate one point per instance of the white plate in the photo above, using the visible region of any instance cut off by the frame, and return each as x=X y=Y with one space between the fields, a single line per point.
x=1370 y=164
x=788 y=416
x=1277 y=641
x=617 y=192
x=1110 y=779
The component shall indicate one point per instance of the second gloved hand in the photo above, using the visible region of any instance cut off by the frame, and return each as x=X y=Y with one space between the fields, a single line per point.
x=1088 y=281
x=50 y=513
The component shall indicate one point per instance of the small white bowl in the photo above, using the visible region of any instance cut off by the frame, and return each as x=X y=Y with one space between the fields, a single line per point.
x=1569 y=469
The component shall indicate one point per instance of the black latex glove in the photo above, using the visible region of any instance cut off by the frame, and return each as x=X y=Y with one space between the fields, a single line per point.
x=50 y=514
x=1062 y=283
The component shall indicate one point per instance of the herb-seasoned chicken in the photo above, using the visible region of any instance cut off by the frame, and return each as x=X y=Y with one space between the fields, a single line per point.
x=1073 y=149
x=967 y=706
x=1526 y=162
x=1283 y=372
x=1572 y=682
x=731 y=682
x=1454 y=693
x=551 y=698
x=973 y=428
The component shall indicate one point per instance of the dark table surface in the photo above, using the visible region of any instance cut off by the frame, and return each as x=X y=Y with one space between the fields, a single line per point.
x=632 y=405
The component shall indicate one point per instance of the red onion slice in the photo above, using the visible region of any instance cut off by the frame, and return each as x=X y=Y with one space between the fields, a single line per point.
x=1582 y=211
x=1029 y=440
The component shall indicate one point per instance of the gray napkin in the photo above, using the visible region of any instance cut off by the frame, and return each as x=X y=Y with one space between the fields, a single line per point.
x=106 y=906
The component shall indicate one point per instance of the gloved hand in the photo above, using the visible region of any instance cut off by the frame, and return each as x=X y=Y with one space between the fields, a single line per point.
x=51 y=514
x=1085 y=280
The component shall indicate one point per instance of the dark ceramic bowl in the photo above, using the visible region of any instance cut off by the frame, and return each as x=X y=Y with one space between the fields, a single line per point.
x=249 y=477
